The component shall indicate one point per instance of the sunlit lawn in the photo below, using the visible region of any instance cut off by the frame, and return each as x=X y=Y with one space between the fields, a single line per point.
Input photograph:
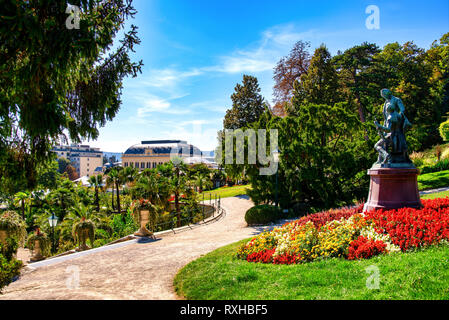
x=433 y=180
x=225 y=192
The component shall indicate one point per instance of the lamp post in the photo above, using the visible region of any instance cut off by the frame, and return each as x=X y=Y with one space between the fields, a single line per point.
x=53 y=221
x=275 y=153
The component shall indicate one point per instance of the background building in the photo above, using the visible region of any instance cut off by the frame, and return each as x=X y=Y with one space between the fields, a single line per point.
x=150 y=154
x=82 y=157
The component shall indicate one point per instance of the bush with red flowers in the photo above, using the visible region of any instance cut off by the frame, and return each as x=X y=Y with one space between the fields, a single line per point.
x=364 y=248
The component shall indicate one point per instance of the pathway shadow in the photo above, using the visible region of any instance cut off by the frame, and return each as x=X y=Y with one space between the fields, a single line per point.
x=147 y=240
x=243 y=196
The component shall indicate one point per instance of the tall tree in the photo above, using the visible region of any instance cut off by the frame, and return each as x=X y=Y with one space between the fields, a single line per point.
x=247 y=104
x=319 y=85
x=288 y=70
x=56 y=77
x=356 y=77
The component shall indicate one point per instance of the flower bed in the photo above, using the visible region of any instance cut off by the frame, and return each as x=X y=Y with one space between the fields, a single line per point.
x=350 y=234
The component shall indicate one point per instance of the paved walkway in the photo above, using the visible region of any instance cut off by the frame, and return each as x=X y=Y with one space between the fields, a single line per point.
x=135 y=271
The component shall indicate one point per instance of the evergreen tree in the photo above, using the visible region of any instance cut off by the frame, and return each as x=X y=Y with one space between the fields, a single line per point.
x=247 y=104
x=319 y=85
x=55 y=80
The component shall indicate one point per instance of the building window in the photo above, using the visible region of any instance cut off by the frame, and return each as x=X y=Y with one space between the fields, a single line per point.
x=142 y=165
x=137 y=165
x=126 y=164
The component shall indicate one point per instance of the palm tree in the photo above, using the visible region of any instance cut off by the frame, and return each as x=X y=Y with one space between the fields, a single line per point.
x=63 y=196
x=97 y=183
x=203 y=181
x=116 y=179
x=22 y=199
x=153 y=187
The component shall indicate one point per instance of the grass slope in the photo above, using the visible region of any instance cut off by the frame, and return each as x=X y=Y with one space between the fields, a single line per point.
x=220 y=276
x=433 y=180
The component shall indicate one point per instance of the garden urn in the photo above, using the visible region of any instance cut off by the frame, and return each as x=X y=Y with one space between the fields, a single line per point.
x=37 y=252
x=144 y=217
x=84 y=234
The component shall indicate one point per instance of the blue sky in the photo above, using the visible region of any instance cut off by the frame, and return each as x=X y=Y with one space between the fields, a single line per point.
x=196 y=51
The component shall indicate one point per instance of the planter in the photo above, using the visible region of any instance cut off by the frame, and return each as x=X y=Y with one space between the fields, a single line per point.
x=37 y=252
x=84 y=234
x=144 y=218
x=3 y=236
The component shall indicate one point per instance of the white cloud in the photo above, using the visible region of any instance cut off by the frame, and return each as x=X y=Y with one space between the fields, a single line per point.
x=263 y=55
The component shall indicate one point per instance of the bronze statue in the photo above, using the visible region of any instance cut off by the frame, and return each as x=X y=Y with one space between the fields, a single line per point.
x=392 y=146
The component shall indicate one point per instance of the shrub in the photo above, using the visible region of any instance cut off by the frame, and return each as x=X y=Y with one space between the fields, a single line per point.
x=9 y=266
x=262 y=214
x=441 y=165
x=13 y=224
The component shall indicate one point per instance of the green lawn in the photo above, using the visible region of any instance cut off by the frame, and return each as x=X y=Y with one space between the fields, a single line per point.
x=443 y=194
x=225 y=192
x=433 y=180
x=219 y=276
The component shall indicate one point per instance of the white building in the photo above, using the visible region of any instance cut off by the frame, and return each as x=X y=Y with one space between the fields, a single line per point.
x=82 y=157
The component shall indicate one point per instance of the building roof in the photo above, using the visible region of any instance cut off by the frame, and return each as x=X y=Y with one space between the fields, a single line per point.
x=164 y=147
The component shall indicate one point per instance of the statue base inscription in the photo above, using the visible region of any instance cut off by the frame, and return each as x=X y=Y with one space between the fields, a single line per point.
x=393 y=188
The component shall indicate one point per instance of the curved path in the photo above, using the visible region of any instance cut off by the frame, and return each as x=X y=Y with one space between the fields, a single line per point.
x=134 y=271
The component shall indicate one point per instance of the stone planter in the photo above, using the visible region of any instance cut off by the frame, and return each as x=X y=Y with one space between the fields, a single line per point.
x=84 y=234
x=3 y=236
x=144 y=219
x=37 y=252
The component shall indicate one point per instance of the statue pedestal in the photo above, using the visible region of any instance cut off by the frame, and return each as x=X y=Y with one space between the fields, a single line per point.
x=393 y=188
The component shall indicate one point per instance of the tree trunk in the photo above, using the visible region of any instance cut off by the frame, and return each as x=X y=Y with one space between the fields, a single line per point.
x=118 y=198
x=23 y=210
x=177 y=209
x=97 y=201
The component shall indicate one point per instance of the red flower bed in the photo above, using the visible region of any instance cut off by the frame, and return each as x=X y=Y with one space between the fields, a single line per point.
x=265 y=256
x=414 y=228
x=286 y=259
x=364 y=248
x=321 y=218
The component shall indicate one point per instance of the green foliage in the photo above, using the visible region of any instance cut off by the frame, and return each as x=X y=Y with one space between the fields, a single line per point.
x=444 y=130
x=9 y=266
x=14 y=226
x=262 y=214
x=122 y=227
x=323 y=161
x=441 y=165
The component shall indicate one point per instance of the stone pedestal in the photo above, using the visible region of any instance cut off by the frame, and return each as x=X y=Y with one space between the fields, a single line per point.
x=144 y=219
x=393 y=188
x=37 y=253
